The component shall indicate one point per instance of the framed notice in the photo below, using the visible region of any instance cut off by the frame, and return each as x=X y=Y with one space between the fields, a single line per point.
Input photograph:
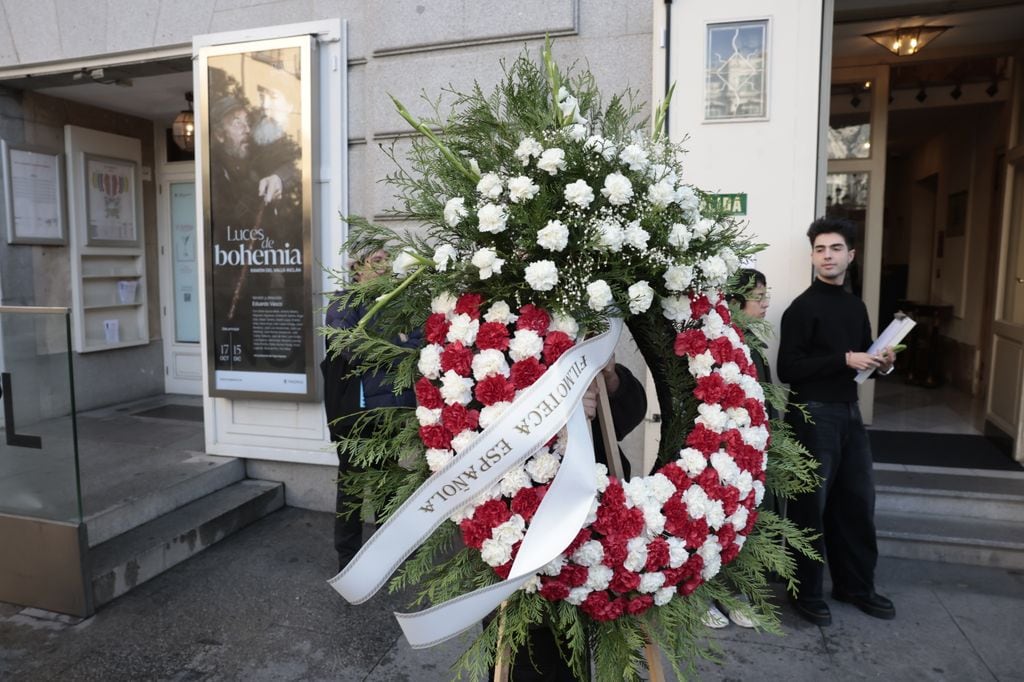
x=34 y=195
x=111 y=204
x=255 y=137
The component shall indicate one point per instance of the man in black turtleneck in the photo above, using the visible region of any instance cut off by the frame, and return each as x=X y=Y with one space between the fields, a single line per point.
x=825 y=332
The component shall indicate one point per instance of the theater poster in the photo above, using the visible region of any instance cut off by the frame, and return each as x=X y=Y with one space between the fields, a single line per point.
x=255 y=126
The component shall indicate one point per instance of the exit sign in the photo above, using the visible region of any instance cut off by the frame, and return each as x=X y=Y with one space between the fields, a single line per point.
x=728 y=204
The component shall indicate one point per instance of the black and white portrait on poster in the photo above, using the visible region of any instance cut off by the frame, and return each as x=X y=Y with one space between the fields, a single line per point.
x=257 y=213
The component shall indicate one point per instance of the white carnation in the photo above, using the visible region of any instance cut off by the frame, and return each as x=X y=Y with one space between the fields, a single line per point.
x=463 y=328
x=456 y=389
x=577 y=132
x=462 y=440
x=492 y=218
x=617 y=189
x=692 y=461
x=443 y=255
x=404 y=262
x=443 y=303
x=676 y=308
x=651 y=582
x=697 y=501
x=711 y=553
x=489 y=186
x=679 y=236
x=758 y=488
x=730 y=371
x=514 y=480
x=664 y=595
x=755 y=436
x=702 y=364
x=641 y=295
x=438 y=459
x=495 y=552
x=531 y=585
x=610 y=235
x=599 y=295
x=489 y=362
x=687 y=199
x=564 y=323
x=703 y=227
x=601 y=477
x=677 y=554
x=579 y=193
x=428 y=417
x=661 y=194
x=555 y=566
x=654 y=521
x=636 y=236
x=634 y=156
x=510 y=532
x=489 y=414
x=738 y=416
x=554 y=236
x=541 y=275
x=455 y=211
x=577 y=595
x=527 y=149
x=486 y=259
x=500 y=312
x=678 y=277
x=731 y=260
x=429 y=363
x=542 y=467
x=714 y=325
x=712 y=416
x=739 y=518
x=599 y=145
x=636 y=556
x=590 y=553
x=599 y=577
x=522 y=188
x=551 y=161
x=716 y=272
x=525 y=343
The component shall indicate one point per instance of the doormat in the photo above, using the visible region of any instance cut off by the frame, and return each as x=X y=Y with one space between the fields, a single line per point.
x=958 y=450
x=191 y=413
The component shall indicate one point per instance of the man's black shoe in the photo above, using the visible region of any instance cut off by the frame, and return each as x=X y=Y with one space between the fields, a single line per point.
x=872 y=604
x=812 y=610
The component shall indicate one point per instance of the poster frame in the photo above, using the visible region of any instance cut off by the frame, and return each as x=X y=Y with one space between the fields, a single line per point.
x=308 y=66
x=6 y=150
x=135 y=193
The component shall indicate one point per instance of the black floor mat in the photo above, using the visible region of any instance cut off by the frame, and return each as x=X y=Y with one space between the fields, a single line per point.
x=191 y=413
x=963 y=451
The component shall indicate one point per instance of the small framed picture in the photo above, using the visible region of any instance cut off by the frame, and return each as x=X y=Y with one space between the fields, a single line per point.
x=736 y=71
x=33 y=195
x=111 y=202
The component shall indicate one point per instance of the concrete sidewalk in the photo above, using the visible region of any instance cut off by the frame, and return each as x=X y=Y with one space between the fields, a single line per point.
x=256 y=607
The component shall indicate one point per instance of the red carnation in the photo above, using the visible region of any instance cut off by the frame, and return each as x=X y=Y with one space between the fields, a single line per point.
x=615 y=550
x=533 y=318
x=526 y=501
x=726 y=535
x=710 y=389
x=436 y=329
x=721 y=350
x=458 y=358
x=704 y=439
x=638 y=605
x=755 y=409
x=691 y=342
x=492 y=513
x=657 y=554
x=675 y=473
x=428 y=395
x=574 y=575
x=492 y=335
x=699 y=306
x=583 y=536
x=751 y=520
x=600 y=607
x=553 y=590
x=526 y=371
x=506 y=568
x=456 y=418
x=729 y=553
x=473 y=533
x=723 y=312
x=555 y=344
x=624 y=581
x=687 y=588
x=696 y=534
x=470 y=305
x=733 y=396
x=494 y=389
x=676 y=516
x=435 y=436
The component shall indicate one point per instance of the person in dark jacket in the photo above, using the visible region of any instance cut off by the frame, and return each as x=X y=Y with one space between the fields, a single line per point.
x=345 y=395
x=825 y=333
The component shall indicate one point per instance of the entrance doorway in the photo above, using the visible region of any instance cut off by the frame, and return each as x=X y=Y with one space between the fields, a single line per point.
x=929 y=195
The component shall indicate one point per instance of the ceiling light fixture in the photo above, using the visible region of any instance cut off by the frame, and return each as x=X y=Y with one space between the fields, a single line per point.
x=184 y=127
x=908 y=40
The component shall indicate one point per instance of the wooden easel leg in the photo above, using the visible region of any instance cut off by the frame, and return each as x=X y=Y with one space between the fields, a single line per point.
x=653 y=655
x=501 y=661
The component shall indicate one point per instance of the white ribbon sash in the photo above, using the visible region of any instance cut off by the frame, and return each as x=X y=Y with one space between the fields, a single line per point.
x=559 y=517
x=531 y=421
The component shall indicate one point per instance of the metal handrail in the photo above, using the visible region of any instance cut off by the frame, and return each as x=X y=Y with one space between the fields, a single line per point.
x=34 y=309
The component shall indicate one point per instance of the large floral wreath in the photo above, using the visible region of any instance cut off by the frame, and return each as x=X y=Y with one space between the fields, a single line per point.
x=544 y=214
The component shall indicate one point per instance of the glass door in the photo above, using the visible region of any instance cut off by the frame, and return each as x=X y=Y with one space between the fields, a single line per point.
x=855 y=182
x=1005 y=400
x=183 y=367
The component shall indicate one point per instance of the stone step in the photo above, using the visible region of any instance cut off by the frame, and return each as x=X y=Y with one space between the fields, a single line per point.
x=993 y=497
x=951 y=539
x=137 y=491
x=121 y=563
